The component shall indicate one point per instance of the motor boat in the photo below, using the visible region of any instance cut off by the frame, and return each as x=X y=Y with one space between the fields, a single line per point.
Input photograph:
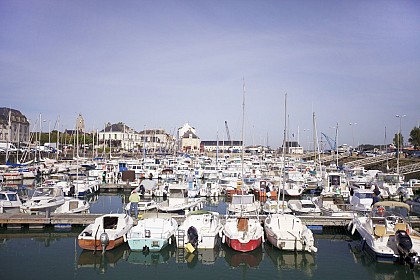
x=333 y=205
x=45 y=198
x=361 y=200
x=387 y=233
x=9 y=202
x=143 y=205
x=73 y=205
x=287 y=232
x=106 y=232
x=201 y=229
x=152 y=234
x=304 y=206
x=272 y=206
x=243 y=203
x=178 y=200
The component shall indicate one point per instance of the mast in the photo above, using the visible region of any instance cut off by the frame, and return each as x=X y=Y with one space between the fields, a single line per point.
x=243 y=128
x=283 y=153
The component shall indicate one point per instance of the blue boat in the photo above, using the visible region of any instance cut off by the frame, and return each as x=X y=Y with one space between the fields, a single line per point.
x=152 y=234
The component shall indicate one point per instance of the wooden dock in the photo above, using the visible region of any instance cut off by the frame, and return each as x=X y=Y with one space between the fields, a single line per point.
x=19 y=220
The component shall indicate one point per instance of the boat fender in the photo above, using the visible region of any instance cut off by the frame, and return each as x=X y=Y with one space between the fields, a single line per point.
x=170 y=240
x=125 y=237
x=223 y=238
x=220 y=234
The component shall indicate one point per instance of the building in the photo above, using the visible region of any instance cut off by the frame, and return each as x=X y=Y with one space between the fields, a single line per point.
x=156 y=140
x=189 y=142
x=221 y=146
x=293 y=147
x=119 y=136
x=123 y=137
x=80 y=124
x=17 y=130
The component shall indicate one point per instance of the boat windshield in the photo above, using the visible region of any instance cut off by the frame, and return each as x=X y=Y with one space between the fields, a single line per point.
x=364 y=195
x=12 y=196
x=43 y=192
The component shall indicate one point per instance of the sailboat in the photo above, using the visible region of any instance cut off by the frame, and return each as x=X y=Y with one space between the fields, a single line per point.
x=286 y=231
x=242 y=230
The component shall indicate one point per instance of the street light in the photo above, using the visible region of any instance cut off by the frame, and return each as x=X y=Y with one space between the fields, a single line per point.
x=398 y=143
x=352 y=132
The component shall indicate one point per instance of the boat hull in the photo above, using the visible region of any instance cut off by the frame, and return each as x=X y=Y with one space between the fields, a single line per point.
x=241 y=246
x=147 y=244
x=95 y=244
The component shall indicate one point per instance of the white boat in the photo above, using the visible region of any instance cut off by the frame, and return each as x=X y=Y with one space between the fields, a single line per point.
x=143 y=205
x=152 y=234
x=243 y=233
x=243 y=203
x=287 y=232
x=361 y=200
x=387 y=234
x=336 y=184
x=295 y=183
x=272 y=206
x=73 y=205
x=332 y=205
x=388 y=184
x=107 y=232
x=9 y=202
x=304 y=206
x=201 y=229
x=44 y=198
x=178 y=200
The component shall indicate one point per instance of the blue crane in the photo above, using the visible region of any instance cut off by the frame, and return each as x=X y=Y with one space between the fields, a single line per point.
x=331 y=142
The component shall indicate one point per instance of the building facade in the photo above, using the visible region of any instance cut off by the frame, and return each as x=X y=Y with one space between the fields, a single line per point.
x=14 y=126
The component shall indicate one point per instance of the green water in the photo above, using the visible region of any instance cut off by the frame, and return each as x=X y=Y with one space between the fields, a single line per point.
x=55 y=255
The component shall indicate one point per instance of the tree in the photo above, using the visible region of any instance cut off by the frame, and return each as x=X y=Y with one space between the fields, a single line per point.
x=398 y=140
x=415 y=137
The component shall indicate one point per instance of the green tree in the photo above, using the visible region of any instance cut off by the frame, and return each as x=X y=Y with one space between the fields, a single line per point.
x=398 y=140
x=415 y=137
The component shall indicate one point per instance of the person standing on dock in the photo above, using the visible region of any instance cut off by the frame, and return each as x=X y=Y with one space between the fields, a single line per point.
x=134 y=199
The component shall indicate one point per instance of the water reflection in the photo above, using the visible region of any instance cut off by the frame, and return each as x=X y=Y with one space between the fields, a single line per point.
x=282 y=260
x=250 y=259
x=101 y=262
x=380 y=270
x=152 y=258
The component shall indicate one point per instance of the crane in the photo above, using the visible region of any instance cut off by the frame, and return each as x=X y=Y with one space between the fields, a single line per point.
x=331 y=142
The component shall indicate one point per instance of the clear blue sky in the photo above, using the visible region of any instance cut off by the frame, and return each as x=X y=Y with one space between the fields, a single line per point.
x=160 y=64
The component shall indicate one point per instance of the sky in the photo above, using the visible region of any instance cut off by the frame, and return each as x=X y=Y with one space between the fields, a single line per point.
x=160 y=64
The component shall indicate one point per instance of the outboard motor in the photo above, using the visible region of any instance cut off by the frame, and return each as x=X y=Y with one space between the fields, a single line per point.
x=404 y=246
x=104 y=238
x=192 y=234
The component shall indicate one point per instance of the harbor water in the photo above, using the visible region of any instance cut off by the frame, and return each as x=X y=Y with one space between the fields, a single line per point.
x=54 y=254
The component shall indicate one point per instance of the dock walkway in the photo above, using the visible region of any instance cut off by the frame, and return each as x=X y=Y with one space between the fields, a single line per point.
x=20 y=220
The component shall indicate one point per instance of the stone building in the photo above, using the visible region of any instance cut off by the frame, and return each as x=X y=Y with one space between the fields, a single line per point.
x=17 y=131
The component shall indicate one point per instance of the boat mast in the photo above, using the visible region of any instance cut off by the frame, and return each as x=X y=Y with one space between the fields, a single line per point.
x=243 y=128
x=283 y=154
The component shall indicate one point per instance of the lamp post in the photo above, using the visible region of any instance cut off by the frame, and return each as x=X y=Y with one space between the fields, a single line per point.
x=352 y=132
x=398 y=143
